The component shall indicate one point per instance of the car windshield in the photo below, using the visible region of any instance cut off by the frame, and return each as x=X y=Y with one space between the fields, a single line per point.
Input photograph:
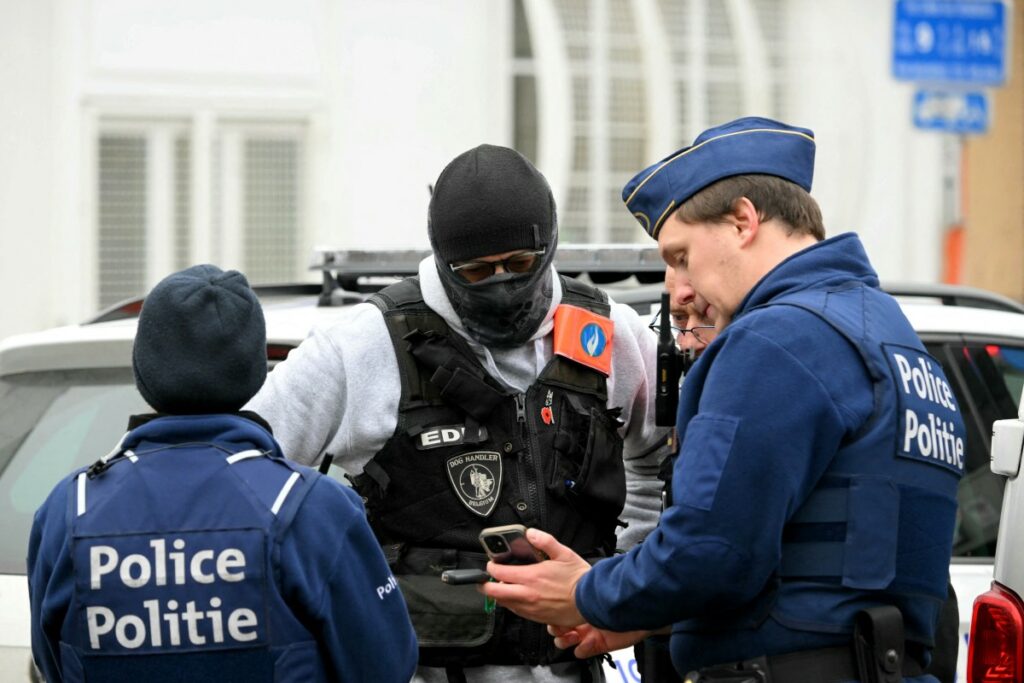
x=50 y=424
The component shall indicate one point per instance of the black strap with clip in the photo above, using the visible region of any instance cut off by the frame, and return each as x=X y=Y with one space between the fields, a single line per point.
x=879 y=646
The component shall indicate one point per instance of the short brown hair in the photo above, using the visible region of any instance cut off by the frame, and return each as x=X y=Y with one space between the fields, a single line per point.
x=772 y=196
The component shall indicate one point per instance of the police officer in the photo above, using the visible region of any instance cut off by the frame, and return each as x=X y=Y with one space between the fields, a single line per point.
x=489 y=390
x=812 y=512
x=194 y=551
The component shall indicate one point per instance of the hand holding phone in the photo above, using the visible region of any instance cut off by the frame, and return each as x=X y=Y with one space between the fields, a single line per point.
x=508 y=545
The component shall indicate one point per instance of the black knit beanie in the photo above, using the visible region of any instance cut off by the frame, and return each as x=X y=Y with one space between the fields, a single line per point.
x=489 y=200
x=201 y=344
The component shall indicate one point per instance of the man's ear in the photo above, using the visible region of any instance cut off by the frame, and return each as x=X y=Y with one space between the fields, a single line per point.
x=745 y=219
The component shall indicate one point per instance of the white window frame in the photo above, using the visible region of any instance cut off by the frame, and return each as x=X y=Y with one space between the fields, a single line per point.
x=203 y=126
x=663 y=127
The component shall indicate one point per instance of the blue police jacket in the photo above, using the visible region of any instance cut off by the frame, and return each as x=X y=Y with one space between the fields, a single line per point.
x=197 y=552
x=821 y=449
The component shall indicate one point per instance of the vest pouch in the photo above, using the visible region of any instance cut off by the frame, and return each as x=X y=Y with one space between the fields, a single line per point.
x=445 y=616
x=591 y=472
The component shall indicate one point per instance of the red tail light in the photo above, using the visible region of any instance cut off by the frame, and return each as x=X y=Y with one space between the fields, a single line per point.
x=996 y=646
x=278 y=351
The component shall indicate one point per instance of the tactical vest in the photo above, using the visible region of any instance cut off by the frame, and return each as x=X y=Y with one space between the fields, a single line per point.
x=878 y=527
x=468 y=454
x=174 y=550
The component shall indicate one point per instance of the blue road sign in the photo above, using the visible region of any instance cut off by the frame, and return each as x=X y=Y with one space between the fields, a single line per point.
x=951 y=111
x=950 y=41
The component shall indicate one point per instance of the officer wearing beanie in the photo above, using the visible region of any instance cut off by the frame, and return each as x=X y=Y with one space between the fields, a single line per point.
x=488 y=390
x=194 y=551
x=813 y=500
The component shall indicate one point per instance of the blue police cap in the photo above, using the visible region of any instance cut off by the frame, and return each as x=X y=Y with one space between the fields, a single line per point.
x=747 y=145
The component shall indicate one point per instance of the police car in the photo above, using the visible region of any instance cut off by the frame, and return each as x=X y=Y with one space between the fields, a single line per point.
x=996 y=642
x=66 y=393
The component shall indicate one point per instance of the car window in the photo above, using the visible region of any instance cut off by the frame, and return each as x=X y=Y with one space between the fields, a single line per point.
x=50 y=424
x=987 y=379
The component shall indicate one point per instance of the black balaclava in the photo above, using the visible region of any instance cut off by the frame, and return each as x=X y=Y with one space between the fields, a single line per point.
x=491 y=200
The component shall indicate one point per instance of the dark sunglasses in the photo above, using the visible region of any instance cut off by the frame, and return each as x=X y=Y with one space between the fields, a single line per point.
x=475 y=271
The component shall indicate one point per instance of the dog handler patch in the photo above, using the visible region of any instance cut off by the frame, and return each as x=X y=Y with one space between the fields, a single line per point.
x=476 y=478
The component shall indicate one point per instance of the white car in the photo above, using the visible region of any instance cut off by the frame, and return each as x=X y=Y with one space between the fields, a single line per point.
x=996 y=643
x=66 y=394
x=982 y=353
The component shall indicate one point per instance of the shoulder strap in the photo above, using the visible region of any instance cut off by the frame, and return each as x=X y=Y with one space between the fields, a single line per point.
x=585 y=296
x=278 y=484
x=403 y=309
x=565 y=373
x=292 y=495
x=399 y=295
x=434 y=363
x=815 y=303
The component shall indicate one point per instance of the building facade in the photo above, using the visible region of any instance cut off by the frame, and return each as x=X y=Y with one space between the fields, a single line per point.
x=138 y=138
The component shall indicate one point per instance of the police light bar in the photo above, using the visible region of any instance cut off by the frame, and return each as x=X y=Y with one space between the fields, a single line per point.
x=622 y=259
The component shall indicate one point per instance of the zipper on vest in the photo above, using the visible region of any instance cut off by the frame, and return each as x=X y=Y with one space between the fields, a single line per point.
x=520 y=407
x=531 y=641
x=528 y=471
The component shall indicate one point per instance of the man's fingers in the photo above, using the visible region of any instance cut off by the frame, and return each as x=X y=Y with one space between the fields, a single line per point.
x=548 y=544
x=512 y=573
x=503 y=591
x=570 y=639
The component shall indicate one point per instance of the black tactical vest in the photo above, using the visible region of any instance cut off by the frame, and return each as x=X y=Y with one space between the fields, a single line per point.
x=468 y=454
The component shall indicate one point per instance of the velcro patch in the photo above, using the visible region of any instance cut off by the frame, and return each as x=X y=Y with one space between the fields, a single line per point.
x=584 y=337
x=931 y=428
x=172 y=592
x=448 y=435
x=476 y=479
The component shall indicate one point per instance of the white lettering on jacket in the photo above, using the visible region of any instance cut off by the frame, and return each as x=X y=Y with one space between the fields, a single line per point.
x=929 y=414
x=388 y=586
x=165 y=623
x=137 y=570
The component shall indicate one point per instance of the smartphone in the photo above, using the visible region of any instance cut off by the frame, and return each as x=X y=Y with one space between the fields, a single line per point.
x=508 y=545
x=459 y=577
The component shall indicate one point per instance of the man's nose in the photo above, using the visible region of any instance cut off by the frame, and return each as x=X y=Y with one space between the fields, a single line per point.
x=683 y=293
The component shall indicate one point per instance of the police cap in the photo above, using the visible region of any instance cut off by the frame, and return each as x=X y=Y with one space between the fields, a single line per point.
x=750 y=145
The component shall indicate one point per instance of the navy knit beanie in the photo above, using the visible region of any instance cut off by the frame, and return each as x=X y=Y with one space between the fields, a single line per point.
x=201 y=344
x=490 y=200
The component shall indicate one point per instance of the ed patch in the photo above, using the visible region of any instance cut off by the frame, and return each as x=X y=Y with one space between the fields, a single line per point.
x=449 y=435
x=931 y=428
x=476 y=478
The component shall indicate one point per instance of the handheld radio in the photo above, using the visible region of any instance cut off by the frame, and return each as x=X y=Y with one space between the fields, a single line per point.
x=671 y=364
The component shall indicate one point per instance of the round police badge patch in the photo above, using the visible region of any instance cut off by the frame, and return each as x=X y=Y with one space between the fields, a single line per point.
x=476 y=478
x=592 y=340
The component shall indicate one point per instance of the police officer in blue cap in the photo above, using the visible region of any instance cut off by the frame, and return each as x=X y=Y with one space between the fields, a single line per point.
x=194 y=551
x=813 y=499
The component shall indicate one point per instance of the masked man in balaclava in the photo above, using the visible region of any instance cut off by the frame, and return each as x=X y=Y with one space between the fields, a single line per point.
x=488 y=390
